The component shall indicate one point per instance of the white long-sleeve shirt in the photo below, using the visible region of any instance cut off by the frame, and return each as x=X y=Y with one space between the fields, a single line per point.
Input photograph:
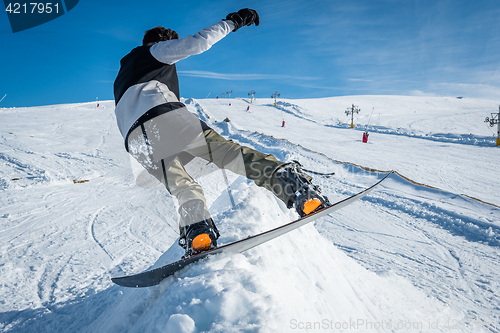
x=171 y=51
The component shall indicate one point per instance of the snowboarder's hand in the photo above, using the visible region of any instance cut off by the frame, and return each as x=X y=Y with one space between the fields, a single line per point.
x=243 y=17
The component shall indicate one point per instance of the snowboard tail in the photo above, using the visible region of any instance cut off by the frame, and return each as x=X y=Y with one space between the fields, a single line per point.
x=155 y=276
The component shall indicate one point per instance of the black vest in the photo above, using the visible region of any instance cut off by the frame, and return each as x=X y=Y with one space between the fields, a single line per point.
x=139 y=66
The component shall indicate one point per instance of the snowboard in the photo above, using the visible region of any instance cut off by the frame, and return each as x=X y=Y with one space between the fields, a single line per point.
x=155 y=276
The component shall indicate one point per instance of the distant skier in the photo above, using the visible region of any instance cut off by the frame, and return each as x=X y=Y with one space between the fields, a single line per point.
x=163 y=136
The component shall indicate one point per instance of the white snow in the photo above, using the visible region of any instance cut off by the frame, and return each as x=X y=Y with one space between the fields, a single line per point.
x=406 y=258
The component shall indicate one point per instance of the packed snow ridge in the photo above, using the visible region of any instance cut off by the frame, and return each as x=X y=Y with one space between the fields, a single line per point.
x=406 y=258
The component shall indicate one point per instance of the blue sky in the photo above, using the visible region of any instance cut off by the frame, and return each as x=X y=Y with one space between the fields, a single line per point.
x=302 y=49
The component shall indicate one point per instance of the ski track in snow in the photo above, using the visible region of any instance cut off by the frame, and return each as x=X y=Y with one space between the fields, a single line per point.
x=92 y=233
x=404 y=255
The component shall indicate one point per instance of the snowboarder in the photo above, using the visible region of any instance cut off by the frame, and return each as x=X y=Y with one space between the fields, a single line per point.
x=163 y=136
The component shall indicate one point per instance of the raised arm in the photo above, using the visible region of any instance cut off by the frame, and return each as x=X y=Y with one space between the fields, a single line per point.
x=171 y=51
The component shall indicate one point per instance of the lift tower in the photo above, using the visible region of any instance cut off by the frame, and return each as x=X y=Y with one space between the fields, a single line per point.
x=495 y=119
x=351 y=111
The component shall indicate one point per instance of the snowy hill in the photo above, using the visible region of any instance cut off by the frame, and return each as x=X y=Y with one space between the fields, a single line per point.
x=420 y=254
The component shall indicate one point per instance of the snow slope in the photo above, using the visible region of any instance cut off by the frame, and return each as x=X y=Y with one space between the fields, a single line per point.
x=406 y=258
x=452 y=138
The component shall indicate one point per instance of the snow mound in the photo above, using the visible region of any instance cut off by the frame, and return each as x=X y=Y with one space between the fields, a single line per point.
x=296 y=280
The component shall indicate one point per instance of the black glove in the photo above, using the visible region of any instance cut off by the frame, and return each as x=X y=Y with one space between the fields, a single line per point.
x=243 y=17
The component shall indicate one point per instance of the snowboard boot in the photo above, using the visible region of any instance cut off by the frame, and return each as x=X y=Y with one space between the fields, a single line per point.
x=198 y=233
x=299 y=191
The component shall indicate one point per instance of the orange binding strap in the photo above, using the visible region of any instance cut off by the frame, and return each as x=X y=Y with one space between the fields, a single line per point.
x=310 y=205
x=201 y=242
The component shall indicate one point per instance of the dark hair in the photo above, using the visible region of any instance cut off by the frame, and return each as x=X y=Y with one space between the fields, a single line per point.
x=158 y=34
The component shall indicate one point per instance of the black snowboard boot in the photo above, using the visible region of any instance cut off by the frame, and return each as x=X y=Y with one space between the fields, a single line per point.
x=198 y=233
x=299 y=190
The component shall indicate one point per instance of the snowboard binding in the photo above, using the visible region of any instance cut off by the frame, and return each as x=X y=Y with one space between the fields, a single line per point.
x=301 y=193
x=198 y=233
